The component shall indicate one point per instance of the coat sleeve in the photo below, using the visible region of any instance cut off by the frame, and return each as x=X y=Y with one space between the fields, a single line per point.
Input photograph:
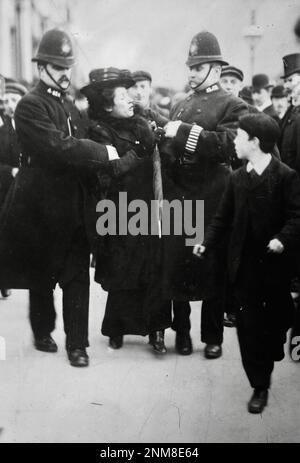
x=118 y=167
x=223 y=219
x=47 y=145
x=216 y=145
x=290 y=232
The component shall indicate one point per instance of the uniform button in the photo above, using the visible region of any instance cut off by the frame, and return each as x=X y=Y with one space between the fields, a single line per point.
x=75 y=127
x=181 y=110
x=205 y=98
x=199 y=110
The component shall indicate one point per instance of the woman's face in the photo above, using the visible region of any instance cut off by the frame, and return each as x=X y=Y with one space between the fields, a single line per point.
x=123 y=104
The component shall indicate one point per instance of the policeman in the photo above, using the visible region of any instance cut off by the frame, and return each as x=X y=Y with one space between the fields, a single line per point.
x=44 y=230
x=202 y=132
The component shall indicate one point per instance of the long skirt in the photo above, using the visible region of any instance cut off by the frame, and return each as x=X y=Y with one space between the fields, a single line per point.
x=137 y=311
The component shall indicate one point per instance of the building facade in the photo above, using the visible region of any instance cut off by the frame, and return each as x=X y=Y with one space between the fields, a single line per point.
x=22 y=23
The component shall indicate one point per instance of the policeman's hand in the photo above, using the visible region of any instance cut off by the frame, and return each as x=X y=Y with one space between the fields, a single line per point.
x=14 y=171
x=199 y=250
x=275 y=246
x=171 y=128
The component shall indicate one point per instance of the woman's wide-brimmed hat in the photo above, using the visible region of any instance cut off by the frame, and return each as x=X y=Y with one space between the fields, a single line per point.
x=107 y=78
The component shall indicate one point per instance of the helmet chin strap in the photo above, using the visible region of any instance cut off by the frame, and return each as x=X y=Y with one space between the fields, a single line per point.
x=53 y=80
x=205 y=79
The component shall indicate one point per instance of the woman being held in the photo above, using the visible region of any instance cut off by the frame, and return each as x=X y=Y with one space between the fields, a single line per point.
x=128 y=266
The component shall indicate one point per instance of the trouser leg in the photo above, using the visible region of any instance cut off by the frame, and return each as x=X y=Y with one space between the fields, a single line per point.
x=76 y=312
x=181 y=321
x=255 y=350
x=212 y=321
x=41 y=311
x=75 y=286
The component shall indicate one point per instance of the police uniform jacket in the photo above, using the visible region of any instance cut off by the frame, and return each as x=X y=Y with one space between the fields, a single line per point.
x=51 y=196
x=198 y=170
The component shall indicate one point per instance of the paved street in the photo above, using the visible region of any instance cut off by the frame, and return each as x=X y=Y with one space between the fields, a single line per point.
x=130 y=395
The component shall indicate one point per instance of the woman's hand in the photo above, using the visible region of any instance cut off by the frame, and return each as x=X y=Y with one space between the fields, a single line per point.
x=275 y=246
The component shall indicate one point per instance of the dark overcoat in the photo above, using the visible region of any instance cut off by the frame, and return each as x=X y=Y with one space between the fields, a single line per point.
x=9 y=155
x=270 y=111
x=257 y=211
x=290 y=139
x=51 y=196
x=201 y=175
x=127 y=262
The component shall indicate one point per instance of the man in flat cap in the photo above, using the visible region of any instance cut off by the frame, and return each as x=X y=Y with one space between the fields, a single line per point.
x=202 y=131
x=232 y=79
x=261 y=90
x=141 y=95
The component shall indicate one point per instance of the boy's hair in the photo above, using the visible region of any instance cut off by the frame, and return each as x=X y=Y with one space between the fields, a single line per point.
x=263 y=127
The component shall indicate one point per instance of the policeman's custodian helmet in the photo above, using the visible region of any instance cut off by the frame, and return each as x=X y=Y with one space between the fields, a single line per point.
x=204 y=48
x=55 y=48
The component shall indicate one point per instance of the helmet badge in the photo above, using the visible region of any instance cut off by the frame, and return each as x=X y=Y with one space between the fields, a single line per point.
x=193 y=48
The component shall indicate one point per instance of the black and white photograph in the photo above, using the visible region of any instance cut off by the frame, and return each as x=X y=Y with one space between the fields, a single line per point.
x=149 y=224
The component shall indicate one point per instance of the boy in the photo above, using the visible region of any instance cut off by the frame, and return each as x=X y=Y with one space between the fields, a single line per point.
x=261 y=209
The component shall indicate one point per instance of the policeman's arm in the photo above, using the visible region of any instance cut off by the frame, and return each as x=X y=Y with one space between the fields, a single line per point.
x=217 y=145
x=49 y=146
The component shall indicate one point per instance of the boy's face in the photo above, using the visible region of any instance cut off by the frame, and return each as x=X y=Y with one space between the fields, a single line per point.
x=243 y=146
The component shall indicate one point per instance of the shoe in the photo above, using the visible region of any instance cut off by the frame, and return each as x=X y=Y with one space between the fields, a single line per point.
x=78 y=357
x=212 y=351
x=157 y=341
x=45 y=344
x=229 y=320
x=5 y=292
x=183 y=344
x=258 y=401
x=116 y=342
